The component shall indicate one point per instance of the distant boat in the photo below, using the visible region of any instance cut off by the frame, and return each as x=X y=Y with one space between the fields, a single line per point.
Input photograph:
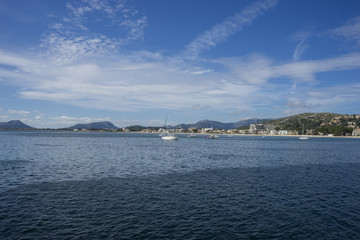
x=212 y=136
x=167 y=135
x=303 y=137
x=191 y=136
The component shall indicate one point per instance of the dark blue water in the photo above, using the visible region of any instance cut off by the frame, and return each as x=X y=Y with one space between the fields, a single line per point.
x=62 y=185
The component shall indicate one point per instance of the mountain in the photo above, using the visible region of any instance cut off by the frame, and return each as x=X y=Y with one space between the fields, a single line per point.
x=220 y=125
x=94 y=125
x=14 y=124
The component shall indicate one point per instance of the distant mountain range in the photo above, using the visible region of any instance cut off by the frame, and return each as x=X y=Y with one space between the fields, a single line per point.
x=198 y=125
x=220 y=125
x=94 y=125
x=14 y=124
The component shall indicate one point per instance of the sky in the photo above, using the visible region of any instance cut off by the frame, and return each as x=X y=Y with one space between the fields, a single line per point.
x=64 y=62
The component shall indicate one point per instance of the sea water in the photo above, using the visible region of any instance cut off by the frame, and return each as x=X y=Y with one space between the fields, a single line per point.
x=89 y=185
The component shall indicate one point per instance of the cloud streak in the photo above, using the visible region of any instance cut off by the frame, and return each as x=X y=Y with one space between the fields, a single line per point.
x=19 y=112
x=219 y=33
x=258 y=69
x=349 y=32
x=301 y=46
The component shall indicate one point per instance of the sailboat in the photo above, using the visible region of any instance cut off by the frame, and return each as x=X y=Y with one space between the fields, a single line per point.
x=303 y=137
x=168 y=135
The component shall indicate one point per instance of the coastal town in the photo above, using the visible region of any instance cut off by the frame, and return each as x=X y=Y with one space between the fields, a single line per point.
x=317 y=124
x=254 y=129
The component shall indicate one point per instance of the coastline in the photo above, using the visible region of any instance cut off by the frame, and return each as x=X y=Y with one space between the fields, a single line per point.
x=204 y=134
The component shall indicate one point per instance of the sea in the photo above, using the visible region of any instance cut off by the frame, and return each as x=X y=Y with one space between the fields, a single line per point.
x=104 y=185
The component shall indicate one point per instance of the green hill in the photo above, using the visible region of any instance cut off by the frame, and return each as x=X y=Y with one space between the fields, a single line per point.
x=317 y=123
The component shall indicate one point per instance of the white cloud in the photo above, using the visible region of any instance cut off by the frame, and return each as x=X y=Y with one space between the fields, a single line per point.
x=19 y=112
x=155 y=123
x=40 y=116
x=125 y=83
x=228 y=27
x=72 y=119
x=68 y=120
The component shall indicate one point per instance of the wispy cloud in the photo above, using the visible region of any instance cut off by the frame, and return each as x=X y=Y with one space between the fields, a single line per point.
x=19 y=112
x=112 y=13
x=228 y=27
x=306 y=70
x=40 y=116
x=349 y=32
x=257 y=69
x=301 y=46
x=65 y=49
x=11 y=59
x=75 y=38
x=67 y=119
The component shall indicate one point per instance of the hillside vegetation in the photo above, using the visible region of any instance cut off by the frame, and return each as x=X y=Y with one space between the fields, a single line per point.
x=317 y=123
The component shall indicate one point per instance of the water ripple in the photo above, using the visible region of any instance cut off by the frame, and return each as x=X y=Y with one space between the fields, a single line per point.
x=303 y=202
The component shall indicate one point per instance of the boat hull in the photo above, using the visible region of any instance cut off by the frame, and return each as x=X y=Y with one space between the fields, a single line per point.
x=303 y=138
x=169 y=138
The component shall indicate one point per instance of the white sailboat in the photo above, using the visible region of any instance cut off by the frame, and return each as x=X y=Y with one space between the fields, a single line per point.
x=303 y=137
x=168 y=135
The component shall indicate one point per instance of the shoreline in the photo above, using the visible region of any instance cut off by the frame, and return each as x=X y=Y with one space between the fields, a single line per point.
x=237 y=134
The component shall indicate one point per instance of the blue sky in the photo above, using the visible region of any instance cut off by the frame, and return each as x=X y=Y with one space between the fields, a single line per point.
x=132 y=62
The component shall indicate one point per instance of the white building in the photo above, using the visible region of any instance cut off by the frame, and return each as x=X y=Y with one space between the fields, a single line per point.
x=205 y=130
x=356 y=132
x=257 y=128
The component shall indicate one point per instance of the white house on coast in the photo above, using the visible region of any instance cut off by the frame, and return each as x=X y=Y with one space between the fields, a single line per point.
x=356 y=132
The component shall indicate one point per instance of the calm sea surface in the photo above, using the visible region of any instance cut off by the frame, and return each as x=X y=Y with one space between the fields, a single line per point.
x=69 y=185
